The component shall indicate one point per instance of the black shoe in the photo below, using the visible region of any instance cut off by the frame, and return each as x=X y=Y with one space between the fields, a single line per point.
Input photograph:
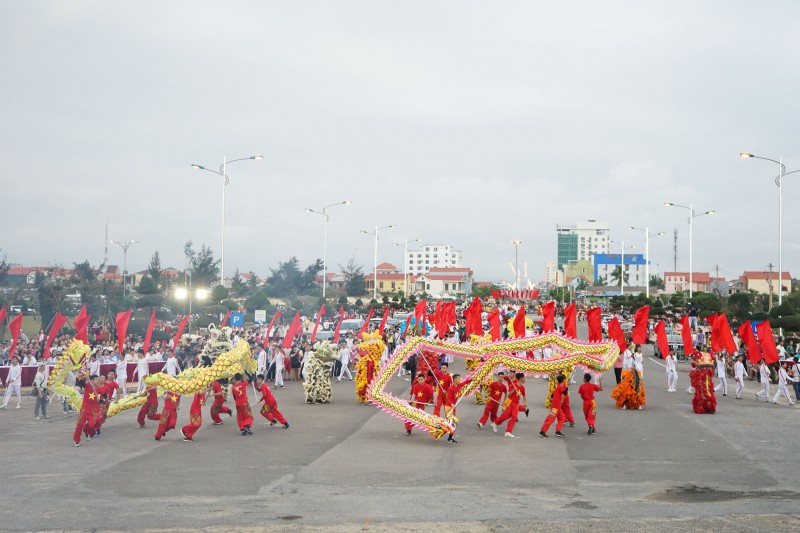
x=543 y=434
x=593 y=430
x=244 y=433
x=249 y=432
x=451 y=440
x=572 y=424
x=230 y=414
x=408 y=432
x=527 y=411
x=273 y=423
x=589 y=432
x=286 y=425
x=559 y=434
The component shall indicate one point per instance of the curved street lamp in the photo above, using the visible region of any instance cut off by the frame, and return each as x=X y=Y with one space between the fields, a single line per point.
x=375 y=267
x=692 y=216
x=124 y=245
x=647 y=236
x=325 y=219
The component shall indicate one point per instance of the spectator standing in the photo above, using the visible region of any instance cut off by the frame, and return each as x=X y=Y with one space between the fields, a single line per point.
x=13 y=383
x=40 y=391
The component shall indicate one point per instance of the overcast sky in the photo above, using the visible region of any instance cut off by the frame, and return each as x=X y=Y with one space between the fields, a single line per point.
x=467 y=123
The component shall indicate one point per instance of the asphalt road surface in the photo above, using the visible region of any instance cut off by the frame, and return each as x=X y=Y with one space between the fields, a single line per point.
x=345 y=466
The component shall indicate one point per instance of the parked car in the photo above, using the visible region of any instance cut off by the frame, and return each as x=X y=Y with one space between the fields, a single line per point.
x=389 y=321
x=351 y=324
x=324 y=335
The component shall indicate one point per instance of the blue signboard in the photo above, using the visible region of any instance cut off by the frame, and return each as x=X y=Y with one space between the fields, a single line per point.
x=237 y=319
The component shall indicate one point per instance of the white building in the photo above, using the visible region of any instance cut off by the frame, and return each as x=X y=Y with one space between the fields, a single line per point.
x=581 y=241
x=433 y=256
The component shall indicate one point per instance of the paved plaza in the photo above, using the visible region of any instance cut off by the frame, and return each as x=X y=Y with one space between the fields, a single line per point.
x=346 y=465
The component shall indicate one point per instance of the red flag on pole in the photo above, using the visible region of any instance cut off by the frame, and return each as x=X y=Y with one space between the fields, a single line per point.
x=726 y=335
x=661 y=339
x=615 y=333
x=225 y=320
x=745 y=332
x=449 y=315
x=338 y=325
x=15 y=326
x=686 y=335
x=148 y=336
x=121 y=323
x=81 y=323
x=715 y=344
x=570 y=321
x=494 y=324
x=549 y=320
x=294 y=328
x=436 y=319
x=269 y=327
x=316 y=324
x=405 y=330
x=366 y=324
x=418 y=310
x=58 y=321
x=767 y=342
x=3 y=313
x=595 y=324
x=383 y=320
x=179 y=333
x=640 y=325
x=472 y=316
x=535 y=294
x=519 y=322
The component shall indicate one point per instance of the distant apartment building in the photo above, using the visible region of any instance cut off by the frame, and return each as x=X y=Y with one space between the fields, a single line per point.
x=634 y=267
x=581 y=241
x=431 y=256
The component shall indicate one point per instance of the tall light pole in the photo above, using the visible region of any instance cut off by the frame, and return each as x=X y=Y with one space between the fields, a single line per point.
x=647 y=236
x=124 y=245
x=516 y=243
x=405 y=262
x=375 y=267
x=779 y=182
x=692 y=216
x=225 y=180
x=325 y=219
x=622 y=265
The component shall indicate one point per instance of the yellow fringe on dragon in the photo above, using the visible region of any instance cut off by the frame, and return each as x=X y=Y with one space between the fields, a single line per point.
x=369 y=362
x=73 y=359
x=473 y=363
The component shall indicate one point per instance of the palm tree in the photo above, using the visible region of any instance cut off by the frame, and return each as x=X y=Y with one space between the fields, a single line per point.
x=615 y=276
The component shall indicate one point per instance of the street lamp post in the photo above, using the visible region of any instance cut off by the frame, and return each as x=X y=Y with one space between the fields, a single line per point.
x=405 y=263
x=325 y=219
x=622 y=266
x=692 y=216
x=647 y=236
x=516 y=243
x=225 y=180
x=124 y=245
x=375 y=267
x=779 y=182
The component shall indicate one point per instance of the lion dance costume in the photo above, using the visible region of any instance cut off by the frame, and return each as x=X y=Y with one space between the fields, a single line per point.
x=702 y=378
x=369 y=362
x=317 y=386
x=630 y=394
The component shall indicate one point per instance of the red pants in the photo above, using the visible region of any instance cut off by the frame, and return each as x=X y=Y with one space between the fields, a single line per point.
x=216 y=409
x=168 y=419
x=150 y=410
x=439 y=403
x=409 y=425
x=590 y=411
x=567 y=411
x=195 y=421
x=509 y=414
x=243 y=415
x=271 y=413
x=85 y=424
x=490 y=411
x=555 y=414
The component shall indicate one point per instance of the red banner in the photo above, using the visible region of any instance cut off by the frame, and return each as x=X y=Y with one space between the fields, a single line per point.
x=15 y=326
x=519 y=323
x=316 y=324
x=225 y=320
x=570 y=321
x=686 y=335
x=726 y=335
x=148 y=336
x=179 y=333
x=269 y=327
x=615 y=333
x=745 y=332
x=366 y=324
x=494 y=324
x=595 y=324
x=294 y=328
x=383 y=320
x=549 y=320
x=640 y=325
x=472 y=316
x=767 y=342
x=81 y=323
x=58 y=322
x=661 y=339
x=121 y=323
x=3 y=313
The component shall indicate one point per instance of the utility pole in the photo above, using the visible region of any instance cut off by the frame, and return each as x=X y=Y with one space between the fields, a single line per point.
x=715 y=284
x=675 y=249
x=770 y=285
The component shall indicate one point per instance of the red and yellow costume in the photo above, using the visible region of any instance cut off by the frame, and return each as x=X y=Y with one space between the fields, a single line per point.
x=219 y=403
x=270 y=408
x=150 y=408
x=444 y=380
x=452 y=398
x=421 y=397
x=586 y=392
x=516 y=391
x=169 y=415
x=195 y=415
x=107 y=392
x=496 y=392
x=244 y=417
x=630 y=393
x=89 y=413
x=556 y=413
x=565 y=408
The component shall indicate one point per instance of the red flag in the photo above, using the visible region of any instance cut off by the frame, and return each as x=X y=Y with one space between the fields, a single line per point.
x=383 y=320
x=81 y=323
x=494 y=324
x=58 y=321
x=767 y=342
x=338 y=325
x=519 y=322
x=225 y=320
x=436 y=316
x=615 y=333
x=149 y=335
x=179 y=333
x=424 y=325
x=595 y=324
x=449 y=315
x=570 y=321
x=15 y=326
x=715 y=345
x=316 y=325
x=366 y=324
x=535 y=294
x=294 y=328
x=549 y=312
x=418 y=310
x=686 y=334
x=725 y=334
x=661 y=339
x=640 y=325
x=472 y=316
x=408 y=321
x=3 y=313
x=269 y=327
x=121 y=322
x=745 y=332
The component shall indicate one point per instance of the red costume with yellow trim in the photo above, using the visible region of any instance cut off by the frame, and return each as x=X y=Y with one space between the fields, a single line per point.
x=150 y=408
x=169 y=415
x=244 y=417
x=270 y=408
x=195 y=416
x=421 y=397
x=219 y=403
x=88 y=415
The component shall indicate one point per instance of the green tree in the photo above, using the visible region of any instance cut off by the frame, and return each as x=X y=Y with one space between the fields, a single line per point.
x=154 y=269
x=204 y=268
x=238 y=287
x=740 y=306
x=615 y=276
x=656 y=281
x=252 y=282
x=582 y=285
x=707 y=303
x=353 y=278
x=219 y=293
x=4 y=266
x=600 y=282
x=150 y=293
x=343 y=299
x=85 y=272
x=483 y=292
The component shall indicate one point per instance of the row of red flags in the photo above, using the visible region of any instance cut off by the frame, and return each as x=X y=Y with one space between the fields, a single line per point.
x=526 y=294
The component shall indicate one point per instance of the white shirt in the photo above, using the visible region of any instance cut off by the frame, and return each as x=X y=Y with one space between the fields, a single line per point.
x=637 y=361
x=783 y=377
x=172 y=367
x=262 y=361
x=781 y=352
x=122 y=369
x=738 y=370
x=38 y=380
x=14 y=373
x=796 y=373
x=670 y=363
x=627 y=360
x=344 y=356
x=764 y=372
x=94 y=368
x=720 y=367
x=142 y=368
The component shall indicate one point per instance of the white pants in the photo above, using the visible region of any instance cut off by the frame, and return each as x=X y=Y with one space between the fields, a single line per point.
x=782 y=390
x=672 y=379
x=12 y=388
x=279 y=374
x=123 y=385
x=141 y=385
x=739 y=387
x=723 y=384
x=345 y=369
x=765 y=392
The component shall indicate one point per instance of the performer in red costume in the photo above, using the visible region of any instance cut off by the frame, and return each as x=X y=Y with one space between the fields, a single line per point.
x=555 y=409
x=244 y=417
x=586 y=392
x=106 y=390
x=443 y=382
x=421 y=397
x=451 y=401
x=88 y=413
x=195 y=416
x=150 y=408
x=515 y=400
x=270 y=408
x=218 y=406
x=565 y=403
x=497 y=391
x=169 y=415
